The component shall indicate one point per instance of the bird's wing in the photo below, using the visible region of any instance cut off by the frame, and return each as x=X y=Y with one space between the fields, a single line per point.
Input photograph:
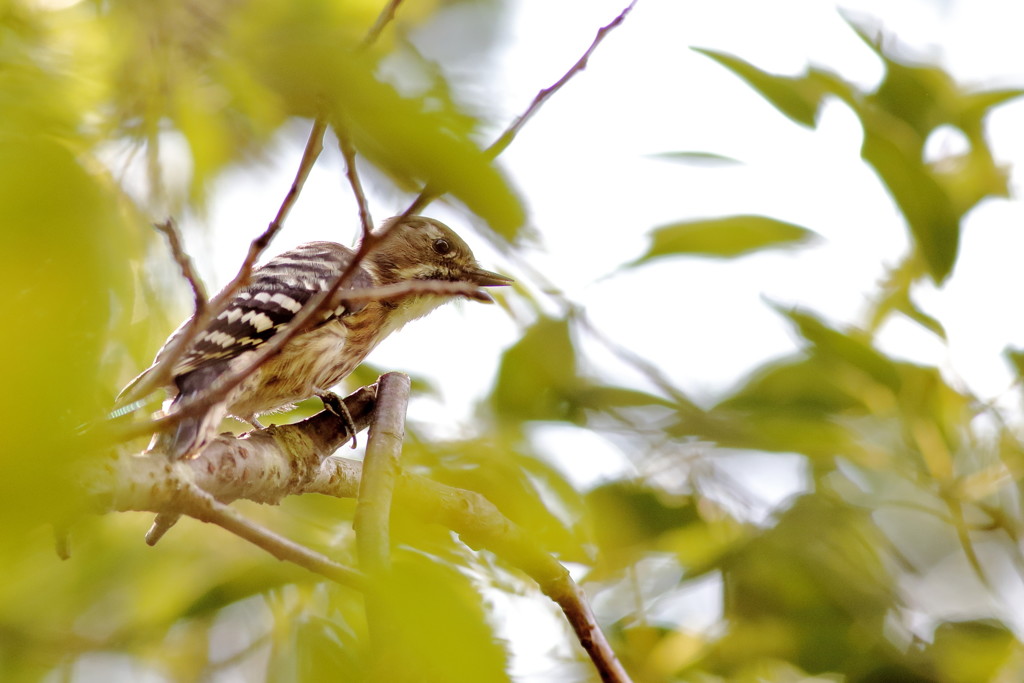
x=274 y=296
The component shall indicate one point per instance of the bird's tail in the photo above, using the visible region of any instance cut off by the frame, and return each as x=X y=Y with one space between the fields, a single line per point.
x=189 y=435
x=186 y=438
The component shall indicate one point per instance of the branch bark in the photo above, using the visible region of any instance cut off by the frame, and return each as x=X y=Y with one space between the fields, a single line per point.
x=266 y=465
x=380 y=469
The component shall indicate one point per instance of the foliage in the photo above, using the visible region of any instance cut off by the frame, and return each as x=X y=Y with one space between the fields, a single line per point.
x=908 y=474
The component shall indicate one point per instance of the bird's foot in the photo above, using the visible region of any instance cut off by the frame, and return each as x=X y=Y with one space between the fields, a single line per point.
x=336 y=405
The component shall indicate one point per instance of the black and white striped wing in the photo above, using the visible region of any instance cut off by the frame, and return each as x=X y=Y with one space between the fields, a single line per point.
x=277 y=292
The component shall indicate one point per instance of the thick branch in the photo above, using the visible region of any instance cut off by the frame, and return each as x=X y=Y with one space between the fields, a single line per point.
x=380 y=467
x=269 y=464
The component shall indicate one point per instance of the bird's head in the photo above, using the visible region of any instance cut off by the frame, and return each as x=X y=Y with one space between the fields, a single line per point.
x=420 y=248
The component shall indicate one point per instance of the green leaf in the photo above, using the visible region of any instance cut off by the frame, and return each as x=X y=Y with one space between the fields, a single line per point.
x=725 y=237
x=537 y=376
x=912 y=101
x=527 y=489
x=601 y=397
x=801 y=385
x=1015 y=357
x=435 y=625
x=799 y=98
x=832 y=344
x=628 y=514
x=933 y=220
x=299 y=53
x=894 y=296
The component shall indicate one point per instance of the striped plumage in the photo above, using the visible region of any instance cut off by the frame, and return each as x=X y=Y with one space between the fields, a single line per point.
x=318 y=358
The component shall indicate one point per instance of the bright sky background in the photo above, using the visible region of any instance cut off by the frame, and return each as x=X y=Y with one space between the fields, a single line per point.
x=593 y=192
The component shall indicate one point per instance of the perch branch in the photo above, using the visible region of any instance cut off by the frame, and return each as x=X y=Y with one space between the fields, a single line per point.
x=266 y=465
x=380 y=468
x=373 y=506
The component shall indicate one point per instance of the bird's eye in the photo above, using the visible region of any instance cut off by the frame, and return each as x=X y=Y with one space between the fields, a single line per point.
x=442 y=246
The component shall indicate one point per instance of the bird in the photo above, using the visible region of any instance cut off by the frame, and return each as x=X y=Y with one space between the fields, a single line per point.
x=416 y=250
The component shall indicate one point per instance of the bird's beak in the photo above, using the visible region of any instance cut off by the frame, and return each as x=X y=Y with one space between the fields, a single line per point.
x=484 y=278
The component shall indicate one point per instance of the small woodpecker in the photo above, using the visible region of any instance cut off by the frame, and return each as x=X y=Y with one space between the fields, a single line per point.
x=416 y=251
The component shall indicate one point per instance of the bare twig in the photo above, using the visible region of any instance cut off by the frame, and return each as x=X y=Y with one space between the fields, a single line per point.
x=161 y=373
x=380 y=467
x=386 y=15
x=428 y=194
x=184 y=262
x=202 y=506
x=352 y=173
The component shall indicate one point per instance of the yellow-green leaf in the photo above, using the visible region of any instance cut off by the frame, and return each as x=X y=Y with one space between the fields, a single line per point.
x=725 y=237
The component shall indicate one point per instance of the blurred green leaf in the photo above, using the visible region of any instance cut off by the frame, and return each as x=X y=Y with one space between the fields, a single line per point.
x=974 y=651
x=814 y=589
x=912 y=101
x=894 y=295
x=436 y=626
x=296 y=51
x=1015 y=357
x=848 y=347
x=799 y=98
x=725 y=237
x=320 y=649
x=800 y=385
x=62 y=266
x=537 y=375
x=627 y=513
x=529 y=491
x=602 y=398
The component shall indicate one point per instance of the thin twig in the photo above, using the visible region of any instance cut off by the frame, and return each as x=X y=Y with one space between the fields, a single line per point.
x=352 y=173
x=184 y=262
x=428 y=194
x=386 y=15
x=203 y=506
x=161 y=373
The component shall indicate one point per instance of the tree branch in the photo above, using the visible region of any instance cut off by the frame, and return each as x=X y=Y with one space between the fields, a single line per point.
x=386 y=15
x=373 y=507
x=268 y=464
x=184 y=262
x=352 y=173
x=380 y=468
x=202 y=506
